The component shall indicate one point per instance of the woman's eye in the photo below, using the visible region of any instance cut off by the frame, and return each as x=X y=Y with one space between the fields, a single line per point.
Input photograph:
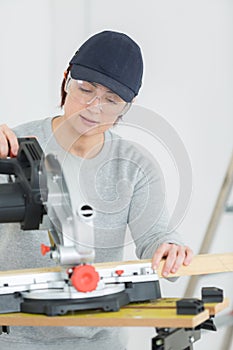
x=109 y=100
x=86 y=91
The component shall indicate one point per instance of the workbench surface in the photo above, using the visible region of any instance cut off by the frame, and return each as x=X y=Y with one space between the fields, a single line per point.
x=160 y=313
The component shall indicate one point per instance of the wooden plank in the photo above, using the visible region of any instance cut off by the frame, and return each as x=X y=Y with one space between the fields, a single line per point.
x=206 y=264
x=134 y=317
x=201 y=264
x=215 y=308
x=30 y=271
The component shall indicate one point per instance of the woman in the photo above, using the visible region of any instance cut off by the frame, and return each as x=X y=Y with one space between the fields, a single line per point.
x=123 y=186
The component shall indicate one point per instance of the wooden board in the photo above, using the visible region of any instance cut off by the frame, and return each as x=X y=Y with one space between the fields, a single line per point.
x=30 y=271
x=201 y=264
x=215 y=308
x=126 y=317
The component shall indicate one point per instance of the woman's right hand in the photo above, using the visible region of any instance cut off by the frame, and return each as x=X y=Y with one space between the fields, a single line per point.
x=8 y=142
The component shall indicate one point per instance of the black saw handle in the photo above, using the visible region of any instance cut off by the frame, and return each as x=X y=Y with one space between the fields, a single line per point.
x=20 y=198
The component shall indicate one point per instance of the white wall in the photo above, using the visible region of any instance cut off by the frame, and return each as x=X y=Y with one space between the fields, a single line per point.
x=188 y=52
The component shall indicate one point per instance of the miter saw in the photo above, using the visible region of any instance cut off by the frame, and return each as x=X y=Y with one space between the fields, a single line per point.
x=37 y=187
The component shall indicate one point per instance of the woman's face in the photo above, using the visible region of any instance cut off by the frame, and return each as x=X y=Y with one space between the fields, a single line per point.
x=91 y=108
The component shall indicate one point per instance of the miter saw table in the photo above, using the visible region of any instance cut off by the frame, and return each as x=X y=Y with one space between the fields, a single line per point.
x=174 y=331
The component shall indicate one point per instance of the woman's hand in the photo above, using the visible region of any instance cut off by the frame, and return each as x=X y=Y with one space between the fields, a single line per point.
x=8 y=142
x=176 y=255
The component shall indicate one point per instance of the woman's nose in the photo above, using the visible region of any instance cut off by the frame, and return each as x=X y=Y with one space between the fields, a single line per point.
x=95 y=103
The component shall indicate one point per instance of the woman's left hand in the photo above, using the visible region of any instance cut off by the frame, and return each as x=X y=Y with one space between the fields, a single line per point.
x=176 y=255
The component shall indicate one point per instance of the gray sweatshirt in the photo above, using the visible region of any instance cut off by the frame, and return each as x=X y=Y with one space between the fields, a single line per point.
x=125 y=188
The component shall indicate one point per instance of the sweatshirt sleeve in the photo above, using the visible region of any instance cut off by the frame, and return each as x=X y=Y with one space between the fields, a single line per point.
x=148 y=216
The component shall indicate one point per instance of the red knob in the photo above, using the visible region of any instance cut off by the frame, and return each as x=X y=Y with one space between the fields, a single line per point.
x=85 y=278
x=119 y=272
x=44 y=249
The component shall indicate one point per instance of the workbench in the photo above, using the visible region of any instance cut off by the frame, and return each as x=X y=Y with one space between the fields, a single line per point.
x=160 y=313
x=175 y=332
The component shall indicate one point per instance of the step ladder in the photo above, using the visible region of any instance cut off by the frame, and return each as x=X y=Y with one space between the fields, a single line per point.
x=220 y=207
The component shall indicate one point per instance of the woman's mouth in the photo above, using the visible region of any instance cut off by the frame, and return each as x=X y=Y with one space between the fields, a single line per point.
x=88 y=121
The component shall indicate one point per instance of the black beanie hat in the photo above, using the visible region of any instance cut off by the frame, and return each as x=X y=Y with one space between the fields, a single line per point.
x=111 y=59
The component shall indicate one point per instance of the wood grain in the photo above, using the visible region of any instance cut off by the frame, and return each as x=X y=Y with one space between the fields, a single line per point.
x=201 y=264
x=126 y=317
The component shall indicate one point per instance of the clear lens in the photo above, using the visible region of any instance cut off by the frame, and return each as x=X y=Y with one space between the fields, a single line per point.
x=86 y=93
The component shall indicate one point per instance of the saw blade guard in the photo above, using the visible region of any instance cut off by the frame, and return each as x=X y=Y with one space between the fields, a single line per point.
x=72 y=231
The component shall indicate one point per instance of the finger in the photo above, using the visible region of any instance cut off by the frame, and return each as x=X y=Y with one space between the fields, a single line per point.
x=3 y=145
x=188 y=257
x=13 y=142
x=179 y=258
x=170 y=260
x=8 y=140
x=159 y=254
